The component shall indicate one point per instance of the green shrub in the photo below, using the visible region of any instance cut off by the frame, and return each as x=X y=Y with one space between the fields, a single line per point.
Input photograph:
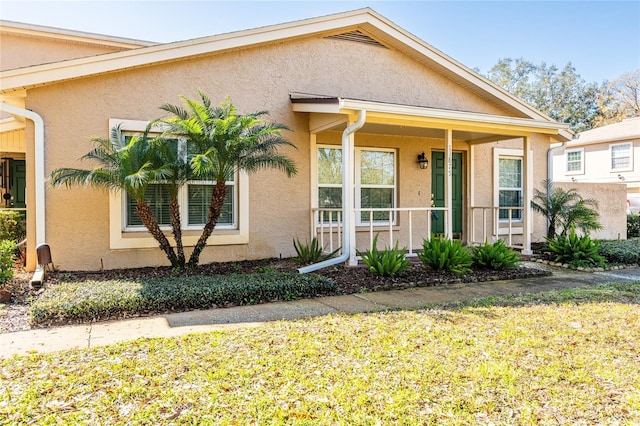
x=12 y=225
x=496 y=256
x=625 y=252
x=310 y=252
x=446 y=255
x=577 y=251
x=388 y=262
x=633 y=225
x=7 y=250
x=96 y=300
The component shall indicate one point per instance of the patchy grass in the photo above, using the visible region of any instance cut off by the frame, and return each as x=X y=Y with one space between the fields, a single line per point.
x=567 y=357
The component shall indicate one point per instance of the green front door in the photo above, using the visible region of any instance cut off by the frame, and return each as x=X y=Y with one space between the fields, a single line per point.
x=18 y=183
x=438 y=171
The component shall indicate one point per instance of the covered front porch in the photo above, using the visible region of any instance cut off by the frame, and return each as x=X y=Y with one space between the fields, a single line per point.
x=405 y=173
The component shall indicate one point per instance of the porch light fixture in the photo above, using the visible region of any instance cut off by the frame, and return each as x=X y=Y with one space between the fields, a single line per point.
x=422 y=161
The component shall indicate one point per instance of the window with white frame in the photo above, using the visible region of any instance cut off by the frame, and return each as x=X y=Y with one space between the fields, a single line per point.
x=375 y=183
x=194 y=199
x=621 y=157
x=510 y=186
x=575 y=161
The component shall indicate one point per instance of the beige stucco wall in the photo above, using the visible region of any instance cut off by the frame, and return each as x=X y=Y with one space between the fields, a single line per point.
x=255 y=79
x=17 y=50
x=611 y=199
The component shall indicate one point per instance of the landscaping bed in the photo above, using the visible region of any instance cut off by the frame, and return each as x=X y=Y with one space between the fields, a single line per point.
x=15 y=316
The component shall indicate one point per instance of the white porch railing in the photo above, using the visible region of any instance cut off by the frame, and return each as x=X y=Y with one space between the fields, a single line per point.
x=487 y=221
x=408 y=225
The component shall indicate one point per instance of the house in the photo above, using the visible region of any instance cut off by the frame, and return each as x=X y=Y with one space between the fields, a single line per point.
x=403 y=120
x=608 y=156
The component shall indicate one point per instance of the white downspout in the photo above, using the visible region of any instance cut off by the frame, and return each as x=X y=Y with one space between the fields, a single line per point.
x=347 y=197
x=550 y=162
x=38 y=164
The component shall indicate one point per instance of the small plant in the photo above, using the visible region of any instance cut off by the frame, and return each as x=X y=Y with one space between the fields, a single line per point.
x=577 y=251
x=7 y=250
x=496 y=256
x=12 y=225
x=444 y=254
x=388 y=262
x=310 y=252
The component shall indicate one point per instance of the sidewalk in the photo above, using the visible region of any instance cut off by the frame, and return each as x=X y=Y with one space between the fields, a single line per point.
x=105 y=333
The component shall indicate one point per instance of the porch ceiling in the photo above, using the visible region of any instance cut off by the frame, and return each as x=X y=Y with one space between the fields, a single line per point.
x=332 y=113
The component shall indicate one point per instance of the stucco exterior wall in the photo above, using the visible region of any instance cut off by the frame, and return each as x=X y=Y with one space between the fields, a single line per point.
x=255 y=79
x=597 y=163
x=611 y=199
x=18 y=50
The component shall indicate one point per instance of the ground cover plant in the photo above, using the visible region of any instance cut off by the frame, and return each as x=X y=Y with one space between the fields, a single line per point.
x=15 y=315
x=565 y=357
x=100 y=300
x=625 y=252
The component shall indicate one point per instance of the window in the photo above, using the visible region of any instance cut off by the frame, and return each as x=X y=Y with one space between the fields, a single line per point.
x=329 y=181
x=375 y=181
x=510 y=186
x=193 y=198
x=621 y=157
x=575 y=161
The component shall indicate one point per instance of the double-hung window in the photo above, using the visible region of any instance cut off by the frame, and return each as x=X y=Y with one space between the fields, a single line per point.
x=621 y=157
x=510 y=187
x=375 y=182
x=575 y=161
x=194 y=199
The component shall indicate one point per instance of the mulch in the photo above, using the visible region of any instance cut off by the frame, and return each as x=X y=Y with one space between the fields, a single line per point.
x=349 y=280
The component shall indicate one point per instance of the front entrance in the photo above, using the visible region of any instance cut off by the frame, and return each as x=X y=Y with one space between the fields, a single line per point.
x=437 y=187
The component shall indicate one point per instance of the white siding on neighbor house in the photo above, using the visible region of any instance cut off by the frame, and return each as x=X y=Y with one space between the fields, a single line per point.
x=609 y=154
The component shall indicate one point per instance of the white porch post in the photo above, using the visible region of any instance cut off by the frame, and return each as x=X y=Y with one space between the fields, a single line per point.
x=448 y=225
x=348 y=191
x=527 y=175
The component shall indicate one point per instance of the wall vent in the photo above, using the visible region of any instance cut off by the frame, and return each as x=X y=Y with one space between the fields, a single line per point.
x=358 y=37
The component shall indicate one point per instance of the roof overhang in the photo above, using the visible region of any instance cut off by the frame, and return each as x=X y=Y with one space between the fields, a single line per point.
x=476 y=127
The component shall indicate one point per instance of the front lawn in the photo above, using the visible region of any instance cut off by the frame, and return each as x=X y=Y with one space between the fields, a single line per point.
x=567 y=357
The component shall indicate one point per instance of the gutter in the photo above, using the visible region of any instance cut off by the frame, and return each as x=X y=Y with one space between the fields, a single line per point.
x=347 y=197
x=39 y=174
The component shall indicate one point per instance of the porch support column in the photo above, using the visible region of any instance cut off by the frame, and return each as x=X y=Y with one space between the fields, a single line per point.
x=348 y=192
x=527 y=174
x=448 y=202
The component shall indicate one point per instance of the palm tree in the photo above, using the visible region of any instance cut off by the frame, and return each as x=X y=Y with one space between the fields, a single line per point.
x=220 y=142
x=564 y=209
x=130 y=167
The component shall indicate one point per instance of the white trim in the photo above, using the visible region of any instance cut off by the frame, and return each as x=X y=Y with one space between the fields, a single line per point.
x=519 y=153
x=39 y=166
x=420 y=116
x=357 y=187
x=566 y=161
x=71 y=35
x=622 y=169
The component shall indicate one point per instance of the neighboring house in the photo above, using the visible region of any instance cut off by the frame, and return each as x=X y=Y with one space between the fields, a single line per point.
x=359 y=94
x=608 y=154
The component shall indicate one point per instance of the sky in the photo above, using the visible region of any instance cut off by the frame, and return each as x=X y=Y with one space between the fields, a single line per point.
x=601 y=39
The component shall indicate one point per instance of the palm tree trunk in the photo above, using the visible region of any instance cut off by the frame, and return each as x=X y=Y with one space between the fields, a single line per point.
x=149 y=220
x=177 y=230
x=215 y=207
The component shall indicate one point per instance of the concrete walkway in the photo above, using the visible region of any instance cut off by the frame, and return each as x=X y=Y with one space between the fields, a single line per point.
x=105 y=333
